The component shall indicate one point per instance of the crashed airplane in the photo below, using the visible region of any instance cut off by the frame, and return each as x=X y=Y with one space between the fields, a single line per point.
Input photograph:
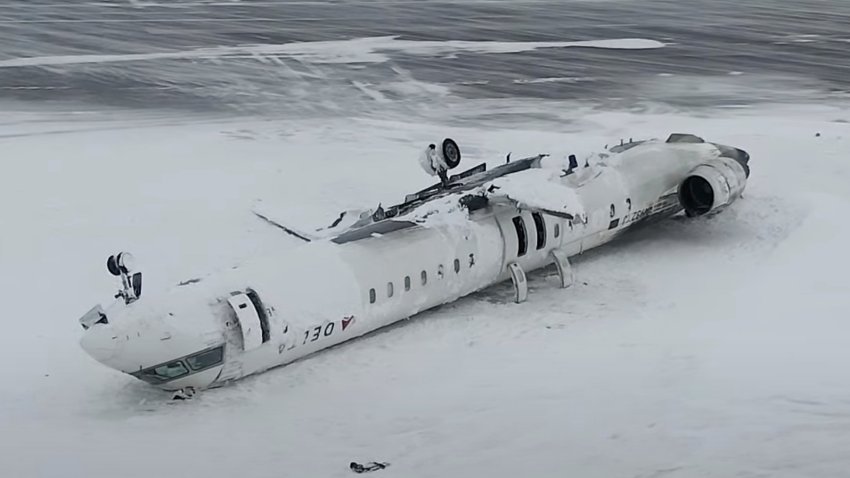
x=372 y=268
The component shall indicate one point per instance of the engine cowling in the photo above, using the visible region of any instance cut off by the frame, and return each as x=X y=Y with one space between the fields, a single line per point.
x=712 y=186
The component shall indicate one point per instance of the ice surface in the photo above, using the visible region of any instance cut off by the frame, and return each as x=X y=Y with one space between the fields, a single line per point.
x=360 y=50
x=707 y=347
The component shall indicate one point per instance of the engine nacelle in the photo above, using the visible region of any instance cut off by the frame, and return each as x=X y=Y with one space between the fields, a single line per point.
x=712 y=186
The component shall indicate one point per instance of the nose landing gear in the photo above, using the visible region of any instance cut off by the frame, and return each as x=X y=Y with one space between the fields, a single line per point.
x=121 y=265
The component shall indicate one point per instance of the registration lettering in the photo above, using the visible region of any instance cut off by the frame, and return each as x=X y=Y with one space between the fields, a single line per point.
x=319 y=332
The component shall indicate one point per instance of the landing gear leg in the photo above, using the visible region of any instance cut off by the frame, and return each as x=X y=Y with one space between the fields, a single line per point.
x=444 y=177
x=520 y=282
x=565 y=270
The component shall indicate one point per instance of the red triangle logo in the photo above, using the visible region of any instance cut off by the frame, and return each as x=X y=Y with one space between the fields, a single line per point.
x=347 y=321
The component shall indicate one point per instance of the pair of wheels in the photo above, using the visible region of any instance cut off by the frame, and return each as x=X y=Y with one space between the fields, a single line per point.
x=121 y=263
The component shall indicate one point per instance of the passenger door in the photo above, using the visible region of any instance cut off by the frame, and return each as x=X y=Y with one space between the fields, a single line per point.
x=253 y=322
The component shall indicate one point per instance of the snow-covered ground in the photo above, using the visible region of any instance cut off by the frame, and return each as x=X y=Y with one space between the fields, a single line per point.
x=699 y=348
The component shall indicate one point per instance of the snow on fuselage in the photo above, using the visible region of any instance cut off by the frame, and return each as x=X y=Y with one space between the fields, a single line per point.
x=277 y=309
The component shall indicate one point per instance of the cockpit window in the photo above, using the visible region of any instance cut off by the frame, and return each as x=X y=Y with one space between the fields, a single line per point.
x=164 y=373
x=206 y=359
x=178 y=368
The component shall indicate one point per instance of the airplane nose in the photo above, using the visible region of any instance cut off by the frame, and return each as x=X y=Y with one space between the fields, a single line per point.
x=101 y=343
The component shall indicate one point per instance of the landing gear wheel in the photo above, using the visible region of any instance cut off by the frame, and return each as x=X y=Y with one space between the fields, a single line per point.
x=451 y=153
x=112 y=266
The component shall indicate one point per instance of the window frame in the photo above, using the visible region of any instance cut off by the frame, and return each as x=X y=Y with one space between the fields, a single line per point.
x=219 y=349
x=151 y=372
x=407 y=283
x=149 y=375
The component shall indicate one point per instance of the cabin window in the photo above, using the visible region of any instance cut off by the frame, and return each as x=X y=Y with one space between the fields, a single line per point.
x=457 y=266
x=206 y=359
x=522 y=238
x=372 y=296
x=389 y=289
x=424 y=277
x=540 y=227
x=613 y=211
x=440 y=271
x=557 y=230
x=407 y=283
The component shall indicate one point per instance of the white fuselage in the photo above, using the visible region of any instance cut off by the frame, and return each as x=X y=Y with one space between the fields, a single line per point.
x=324 y=293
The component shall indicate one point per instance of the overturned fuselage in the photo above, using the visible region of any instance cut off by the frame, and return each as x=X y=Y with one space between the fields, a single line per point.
x=477 y=229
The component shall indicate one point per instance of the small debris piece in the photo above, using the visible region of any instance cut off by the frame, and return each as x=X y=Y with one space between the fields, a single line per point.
x=184 y=394
x=368 y=467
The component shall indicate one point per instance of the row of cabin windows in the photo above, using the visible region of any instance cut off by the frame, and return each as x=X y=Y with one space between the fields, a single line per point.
x=522 y=249
x=423 y=277
x=540 y=228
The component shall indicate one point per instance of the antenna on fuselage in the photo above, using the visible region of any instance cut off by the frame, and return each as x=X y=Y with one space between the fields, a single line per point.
x=121 y=265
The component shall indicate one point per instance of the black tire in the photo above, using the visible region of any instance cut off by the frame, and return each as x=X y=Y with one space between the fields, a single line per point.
x=112 y=266
x=451 y=153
